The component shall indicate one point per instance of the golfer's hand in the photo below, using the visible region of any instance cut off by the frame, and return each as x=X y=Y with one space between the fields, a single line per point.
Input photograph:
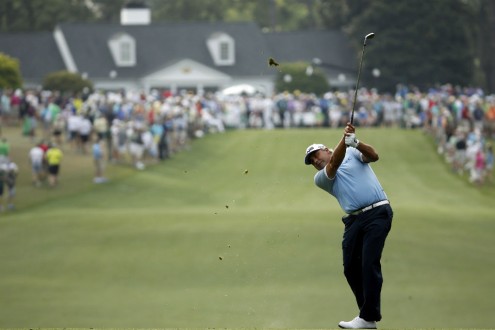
x=351 y=141
x=349 y=128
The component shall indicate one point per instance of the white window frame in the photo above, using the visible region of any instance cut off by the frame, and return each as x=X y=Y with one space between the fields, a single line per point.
x=222 y=49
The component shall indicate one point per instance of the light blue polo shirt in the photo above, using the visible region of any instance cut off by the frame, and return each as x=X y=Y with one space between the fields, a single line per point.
x=355 y=184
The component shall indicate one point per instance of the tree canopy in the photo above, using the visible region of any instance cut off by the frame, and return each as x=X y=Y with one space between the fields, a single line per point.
x=301 y=77
x=66 y=82
x=417 y=42
x=10 y=74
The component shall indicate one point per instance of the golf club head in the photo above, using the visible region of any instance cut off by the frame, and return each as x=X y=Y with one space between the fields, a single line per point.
x=369 y=36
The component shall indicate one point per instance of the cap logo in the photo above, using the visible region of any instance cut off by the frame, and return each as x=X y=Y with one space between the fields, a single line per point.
x=312 y=148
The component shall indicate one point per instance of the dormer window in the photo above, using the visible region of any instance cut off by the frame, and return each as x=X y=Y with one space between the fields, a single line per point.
x=222 y=48
x=123 y=49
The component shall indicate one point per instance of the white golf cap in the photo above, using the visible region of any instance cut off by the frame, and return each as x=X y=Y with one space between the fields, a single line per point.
x=309 y=150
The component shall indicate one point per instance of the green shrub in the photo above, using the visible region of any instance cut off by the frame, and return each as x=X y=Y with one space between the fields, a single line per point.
x=10 y=74
x=66 y=82
x=300 y=76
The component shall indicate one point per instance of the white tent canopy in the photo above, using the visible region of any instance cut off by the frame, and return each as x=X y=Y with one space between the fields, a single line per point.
x=240 y=89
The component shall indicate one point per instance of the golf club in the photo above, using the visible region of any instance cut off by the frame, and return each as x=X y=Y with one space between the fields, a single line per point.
x=368 y=36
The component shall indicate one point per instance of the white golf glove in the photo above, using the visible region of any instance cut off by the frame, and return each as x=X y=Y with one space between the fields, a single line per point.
x=351 y=141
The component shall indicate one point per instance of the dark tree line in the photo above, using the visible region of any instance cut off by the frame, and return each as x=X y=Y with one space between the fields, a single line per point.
x=418 y=42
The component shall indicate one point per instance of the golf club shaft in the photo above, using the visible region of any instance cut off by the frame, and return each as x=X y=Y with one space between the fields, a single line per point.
x=368 y=36
x=357 y=85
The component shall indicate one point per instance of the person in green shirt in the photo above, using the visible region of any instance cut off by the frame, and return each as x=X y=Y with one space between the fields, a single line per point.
x=3 y=179
x=4 y=150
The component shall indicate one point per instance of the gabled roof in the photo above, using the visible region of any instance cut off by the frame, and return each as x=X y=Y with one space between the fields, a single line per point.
x=37 y=53
x=158 y=44
x=196 y=72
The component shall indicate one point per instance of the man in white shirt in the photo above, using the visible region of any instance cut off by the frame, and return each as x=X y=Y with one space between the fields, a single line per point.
x=85 y=129
x=36 y=160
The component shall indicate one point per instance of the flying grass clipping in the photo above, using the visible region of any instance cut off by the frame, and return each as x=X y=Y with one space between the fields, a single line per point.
x=272 y=62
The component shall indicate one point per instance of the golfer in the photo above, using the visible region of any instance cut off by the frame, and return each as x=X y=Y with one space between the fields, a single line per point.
x=345 y=174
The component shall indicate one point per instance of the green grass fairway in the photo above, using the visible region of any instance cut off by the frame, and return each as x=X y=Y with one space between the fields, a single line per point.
x=195 y=242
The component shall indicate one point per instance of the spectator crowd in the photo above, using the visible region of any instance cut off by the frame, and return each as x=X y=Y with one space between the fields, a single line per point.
x=139 y=129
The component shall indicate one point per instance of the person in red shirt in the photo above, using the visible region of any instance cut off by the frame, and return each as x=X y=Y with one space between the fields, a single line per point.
x=490 y=120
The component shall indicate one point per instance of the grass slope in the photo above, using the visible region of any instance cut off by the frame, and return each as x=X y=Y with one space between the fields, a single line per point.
x=197 y=242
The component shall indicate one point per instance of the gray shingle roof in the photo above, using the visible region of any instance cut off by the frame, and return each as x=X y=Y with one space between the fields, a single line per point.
x=37 y=53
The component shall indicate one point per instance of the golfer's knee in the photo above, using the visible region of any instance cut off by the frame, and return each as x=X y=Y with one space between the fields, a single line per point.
x=350 y=272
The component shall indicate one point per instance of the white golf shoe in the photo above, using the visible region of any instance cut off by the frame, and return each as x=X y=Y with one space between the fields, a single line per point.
x=358 y=323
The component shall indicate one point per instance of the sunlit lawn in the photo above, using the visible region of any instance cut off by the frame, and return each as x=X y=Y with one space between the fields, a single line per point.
x=196 y=242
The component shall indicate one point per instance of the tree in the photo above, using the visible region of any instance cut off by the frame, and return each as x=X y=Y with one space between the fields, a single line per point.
x=66 y=82
x=302 y=77
x=417 y=42
x=41 y=15
x=486 y=17
x=190 y=10
x=332 y=14
x=108 y=11
x=10 y=74
x=268 y=14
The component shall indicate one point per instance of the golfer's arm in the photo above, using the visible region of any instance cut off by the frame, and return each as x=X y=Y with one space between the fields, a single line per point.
x=369 y=153
x=337 y=158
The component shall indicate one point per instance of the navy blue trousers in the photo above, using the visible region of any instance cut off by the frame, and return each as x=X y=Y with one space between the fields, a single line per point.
x=362 y=246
